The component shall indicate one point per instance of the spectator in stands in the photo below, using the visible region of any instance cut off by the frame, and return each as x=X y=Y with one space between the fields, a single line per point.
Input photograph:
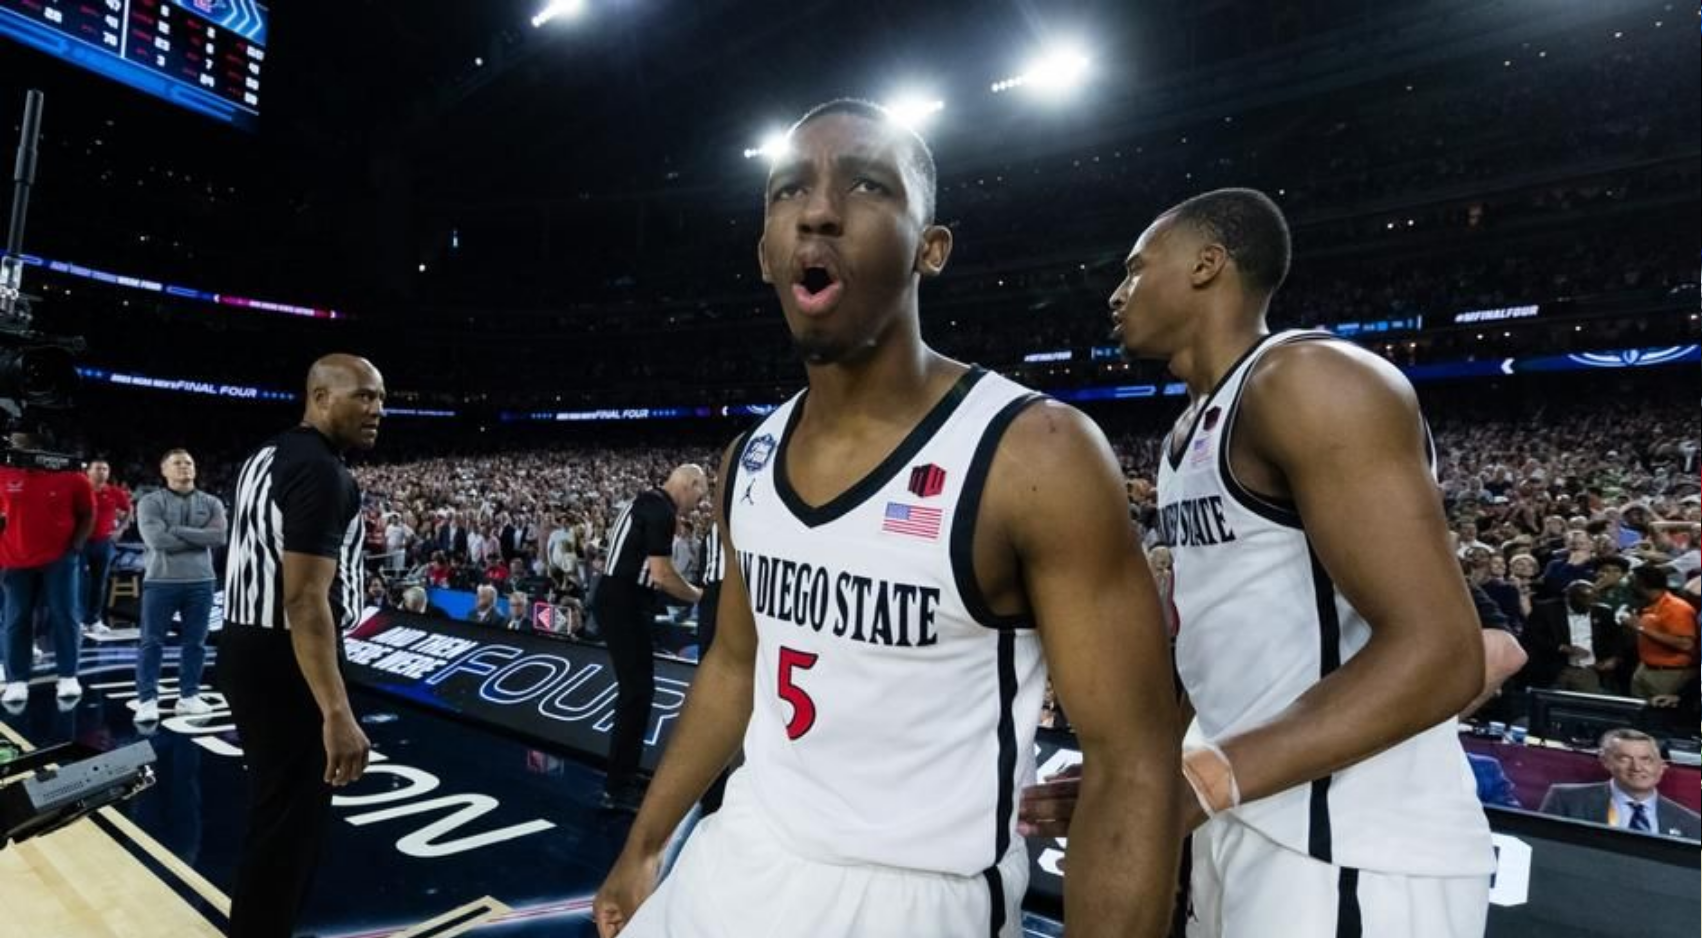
x=1613 y=587
x=1488 y=571
x=414 y=600
x=451 y=536
x=1630 y=798
x=1666 y=630
x=1574 y=643
x=112 y=513
x=484 y=610
x=516 y=537
x=519 y=618
x=378 y=593
x=438 y=573
x=180 y=526
x=497 y=573
x=476 y=545
x=1466 y=538
x=1578 y=563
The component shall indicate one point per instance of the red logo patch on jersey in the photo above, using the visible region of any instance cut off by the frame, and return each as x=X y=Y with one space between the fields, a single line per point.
x=927 y=480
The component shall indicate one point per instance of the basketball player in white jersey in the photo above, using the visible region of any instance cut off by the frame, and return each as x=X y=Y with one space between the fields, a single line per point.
x=910 y=543
x=1323 y=677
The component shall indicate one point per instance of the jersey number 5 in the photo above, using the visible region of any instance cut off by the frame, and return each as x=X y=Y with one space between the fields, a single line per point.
x=803 y=708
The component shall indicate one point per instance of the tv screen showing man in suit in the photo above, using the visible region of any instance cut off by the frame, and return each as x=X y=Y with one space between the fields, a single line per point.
x=1629 y=799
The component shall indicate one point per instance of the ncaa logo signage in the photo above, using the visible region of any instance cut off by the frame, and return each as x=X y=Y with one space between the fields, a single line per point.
x=927 y=480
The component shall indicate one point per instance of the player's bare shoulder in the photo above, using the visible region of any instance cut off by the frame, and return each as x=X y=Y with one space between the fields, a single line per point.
x=1056 y=461
x=1324 y=375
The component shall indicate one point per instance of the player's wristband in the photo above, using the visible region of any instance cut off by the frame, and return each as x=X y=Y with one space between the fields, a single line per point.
x=1212 y=778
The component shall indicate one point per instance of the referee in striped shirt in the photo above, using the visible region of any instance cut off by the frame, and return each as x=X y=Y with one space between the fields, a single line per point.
x=641 y=563
x=293 y=582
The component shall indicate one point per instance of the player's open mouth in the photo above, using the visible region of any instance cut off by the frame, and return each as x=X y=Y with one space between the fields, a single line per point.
x=817 y=289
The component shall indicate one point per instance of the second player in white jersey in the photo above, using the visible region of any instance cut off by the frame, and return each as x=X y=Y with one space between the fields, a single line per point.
x=1259 y=623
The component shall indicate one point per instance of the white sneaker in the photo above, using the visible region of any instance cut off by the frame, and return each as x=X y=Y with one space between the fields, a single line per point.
x=148 y=711
x=97 y=630
x=192 y=707
x=69 y=687
x=16 y=692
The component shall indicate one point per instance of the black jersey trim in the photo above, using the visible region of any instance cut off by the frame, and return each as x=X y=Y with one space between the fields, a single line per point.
x=1007 y=743
x=1319 y=839
x=1275 y=510
x=731 y=482
x=817 y=515
x=1170 y=454
x=1349 y=923
x=964 y=515
x=995 y=901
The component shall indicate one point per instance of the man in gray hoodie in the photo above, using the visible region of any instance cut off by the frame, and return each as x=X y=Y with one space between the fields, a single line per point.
x=180 y=526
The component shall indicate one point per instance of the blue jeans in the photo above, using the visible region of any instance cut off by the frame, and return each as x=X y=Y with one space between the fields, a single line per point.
x=54 y=585
x=97 y=570
x=194 y=602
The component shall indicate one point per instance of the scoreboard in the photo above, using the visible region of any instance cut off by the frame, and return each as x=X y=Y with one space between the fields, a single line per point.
x=205 y=55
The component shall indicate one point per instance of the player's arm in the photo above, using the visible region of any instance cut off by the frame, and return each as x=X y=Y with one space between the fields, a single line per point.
x=1056 y=489
x=711 y=726
x=1343 y=429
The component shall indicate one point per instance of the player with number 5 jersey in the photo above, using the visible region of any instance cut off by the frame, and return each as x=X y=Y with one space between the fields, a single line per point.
x=912 y=545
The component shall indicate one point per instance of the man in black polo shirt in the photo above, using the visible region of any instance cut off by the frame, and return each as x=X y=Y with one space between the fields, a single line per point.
x=641 y=545
x=293 y=583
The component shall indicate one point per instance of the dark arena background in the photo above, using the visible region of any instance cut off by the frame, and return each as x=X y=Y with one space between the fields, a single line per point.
x=540 y=221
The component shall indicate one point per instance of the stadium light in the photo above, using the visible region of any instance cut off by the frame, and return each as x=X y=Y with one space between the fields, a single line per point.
x=557 y=8
x=1057 y=71
x=773 y=146
x=913 y=111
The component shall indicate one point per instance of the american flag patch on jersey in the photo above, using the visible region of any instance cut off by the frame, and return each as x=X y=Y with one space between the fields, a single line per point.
x=913 y=520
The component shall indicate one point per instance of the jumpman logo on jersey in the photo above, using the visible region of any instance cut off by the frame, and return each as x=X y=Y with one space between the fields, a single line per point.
x=747 y=498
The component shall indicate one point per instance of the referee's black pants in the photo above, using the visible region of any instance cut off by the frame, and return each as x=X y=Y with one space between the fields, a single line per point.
x=625 y=619
x=708 y=614
x=289 y=804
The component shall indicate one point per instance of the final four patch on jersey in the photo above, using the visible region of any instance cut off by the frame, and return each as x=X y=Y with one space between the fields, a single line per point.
x=927 y=480
x=757 y=453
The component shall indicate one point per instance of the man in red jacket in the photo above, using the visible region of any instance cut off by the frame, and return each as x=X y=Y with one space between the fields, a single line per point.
x=112 y=513
x=48 y=518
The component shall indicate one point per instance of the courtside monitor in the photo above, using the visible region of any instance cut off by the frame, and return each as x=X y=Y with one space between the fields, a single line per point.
x=204 y=55
x=1581 y=719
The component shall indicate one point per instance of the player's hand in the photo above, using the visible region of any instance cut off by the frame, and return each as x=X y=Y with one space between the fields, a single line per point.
x=346 y=750
x=631 y=881
x=1046 y=808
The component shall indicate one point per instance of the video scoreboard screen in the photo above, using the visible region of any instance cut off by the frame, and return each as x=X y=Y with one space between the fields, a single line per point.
x=205 y=55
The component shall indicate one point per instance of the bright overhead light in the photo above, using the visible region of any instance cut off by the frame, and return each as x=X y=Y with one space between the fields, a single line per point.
x=913 y=111
x=557 y=8
x=1059 y=70
x=773 y=146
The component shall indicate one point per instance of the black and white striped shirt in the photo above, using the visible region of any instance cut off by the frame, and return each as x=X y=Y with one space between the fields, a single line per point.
x=293 y=495
x=714 y=556
x=644 y=530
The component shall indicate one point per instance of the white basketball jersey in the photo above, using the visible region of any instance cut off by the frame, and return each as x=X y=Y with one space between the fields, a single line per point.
x=1259 y=623
x=894 y=713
